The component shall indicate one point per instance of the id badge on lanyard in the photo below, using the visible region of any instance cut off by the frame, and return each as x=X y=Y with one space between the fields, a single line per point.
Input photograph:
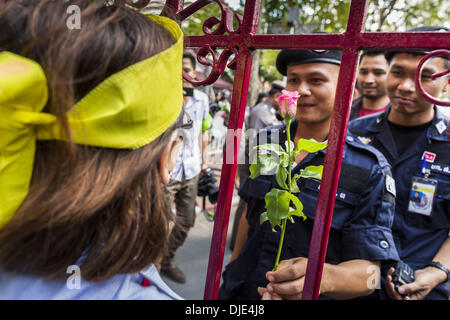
x=422 y=193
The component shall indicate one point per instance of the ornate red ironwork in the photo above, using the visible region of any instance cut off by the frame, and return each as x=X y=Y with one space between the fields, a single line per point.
x=422 y=62
x=242 y=42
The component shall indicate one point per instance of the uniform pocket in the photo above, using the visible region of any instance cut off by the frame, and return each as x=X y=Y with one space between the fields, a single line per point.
x=256 y=188
x=344 y=204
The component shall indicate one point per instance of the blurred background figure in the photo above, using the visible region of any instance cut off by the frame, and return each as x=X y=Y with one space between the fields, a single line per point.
x=371 y=79
x=190 y=161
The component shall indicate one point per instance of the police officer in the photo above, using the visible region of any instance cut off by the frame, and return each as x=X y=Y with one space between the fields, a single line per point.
x=264 y=114
x=360 y=235
x=411 y=134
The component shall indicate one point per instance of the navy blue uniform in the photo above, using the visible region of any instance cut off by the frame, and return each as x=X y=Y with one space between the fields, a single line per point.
x=417 y=237
x=360 y=228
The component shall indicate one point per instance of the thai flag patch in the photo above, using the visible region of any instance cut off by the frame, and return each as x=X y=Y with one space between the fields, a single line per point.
x=429 y=156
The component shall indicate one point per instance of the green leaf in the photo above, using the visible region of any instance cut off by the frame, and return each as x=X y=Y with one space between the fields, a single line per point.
x=277 y=205
x=273 y=147
x=295 y=188
x=255 y=169
x=290 y=215
x=292 y=145
x=281 y=177
x=263 y=163
x=284 y=159
x=268 y=161
x=263 y=217
x=314 y=172
x=311 y=145
x=298 y=207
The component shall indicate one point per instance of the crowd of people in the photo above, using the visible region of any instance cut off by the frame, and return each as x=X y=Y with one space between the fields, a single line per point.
x=98 y=147
x=378 y=219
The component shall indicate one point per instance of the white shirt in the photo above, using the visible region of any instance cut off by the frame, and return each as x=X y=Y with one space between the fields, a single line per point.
x=189 y=158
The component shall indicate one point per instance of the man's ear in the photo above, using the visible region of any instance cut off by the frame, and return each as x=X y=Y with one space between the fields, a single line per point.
x=446 y=86
x=163 y=164
x=277 y=95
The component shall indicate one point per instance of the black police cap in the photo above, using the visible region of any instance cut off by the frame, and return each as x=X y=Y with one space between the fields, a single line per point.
x=390 y=54
x=290 y=57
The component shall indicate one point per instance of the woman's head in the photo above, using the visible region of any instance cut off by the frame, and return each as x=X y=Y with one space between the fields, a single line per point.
x=110 y=38
x=104 y=205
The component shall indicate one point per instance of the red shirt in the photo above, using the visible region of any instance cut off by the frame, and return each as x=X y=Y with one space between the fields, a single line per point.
x=364 y=112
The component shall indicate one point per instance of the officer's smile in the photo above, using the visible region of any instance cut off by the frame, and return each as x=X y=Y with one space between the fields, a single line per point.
x=305 y=105
x=403 y=100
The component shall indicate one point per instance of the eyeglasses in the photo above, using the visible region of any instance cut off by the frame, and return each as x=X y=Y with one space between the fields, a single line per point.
x=184 y=121
x=188 y=124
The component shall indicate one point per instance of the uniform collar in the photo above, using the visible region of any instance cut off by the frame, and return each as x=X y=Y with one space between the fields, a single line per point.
x=294 y=125
x=195 y=97
x=377 y=126
x=436 y=131
x=197 y=94
x=438 y=128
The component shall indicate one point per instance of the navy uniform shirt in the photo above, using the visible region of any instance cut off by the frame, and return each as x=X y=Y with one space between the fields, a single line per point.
x=360 y=228
x=417 y=237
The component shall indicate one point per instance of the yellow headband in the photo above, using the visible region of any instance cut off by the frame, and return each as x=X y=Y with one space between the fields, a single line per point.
x=126 y=111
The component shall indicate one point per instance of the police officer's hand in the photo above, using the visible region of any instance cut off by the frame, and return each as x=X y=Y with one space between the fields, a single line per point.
x=287 y=282
x=425 y=281
x=266 y=295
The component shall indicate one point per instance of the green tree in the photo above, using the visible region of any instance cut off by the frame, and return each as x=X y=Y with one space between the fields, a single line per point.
x=267 y=68
x=193 y=26
x=401 y=15
x=324 y=16
x=314 y=15
x=332 y=16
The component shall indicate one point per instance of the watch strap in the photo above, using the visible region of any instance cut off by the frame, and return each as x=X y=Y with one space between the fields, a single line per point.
x=439 y=265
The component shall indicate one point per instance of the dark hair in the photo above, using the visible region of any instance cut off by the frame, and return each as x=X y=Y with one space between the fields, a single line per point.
x=105 y=206
x=417 y=53
x=370 y=53
x=191 y=57
x=261 y=96
x=274 y=90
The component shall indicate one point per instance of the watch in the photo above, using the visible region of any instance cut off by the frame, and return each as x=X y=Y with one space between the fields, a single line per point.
x=439 y=266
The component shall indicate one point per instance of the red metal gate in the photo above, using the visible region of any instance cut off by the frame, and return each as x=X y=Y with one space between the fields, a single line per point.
x=242 y=41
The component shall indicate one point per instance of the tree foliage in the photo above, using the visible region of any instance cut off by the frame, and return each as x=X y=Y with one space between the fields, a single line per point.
x=314 y=15
x=402 y=15
x=332 y=16
x=328 y=16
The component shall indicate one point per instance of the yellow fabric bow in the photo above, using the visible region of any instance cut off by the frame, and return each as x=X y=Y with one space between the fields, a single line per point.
x=126 y=111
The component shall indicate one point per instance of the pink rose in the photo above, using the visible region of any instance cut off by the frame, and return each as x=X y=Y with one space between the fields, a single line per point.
x=288 y=102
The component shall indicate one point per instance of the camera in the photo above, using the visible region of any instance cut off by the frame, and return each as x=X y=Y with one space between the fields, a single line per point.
x=188 y=92
x=207 y=186
x=403 y=274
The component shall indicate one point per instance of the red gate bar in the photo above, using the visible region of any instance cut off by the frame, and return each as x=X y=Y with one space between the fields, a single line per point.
x=226 y=186
x=246 y=40
x=236 y=120
x=334 y=154
x=367 y=40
